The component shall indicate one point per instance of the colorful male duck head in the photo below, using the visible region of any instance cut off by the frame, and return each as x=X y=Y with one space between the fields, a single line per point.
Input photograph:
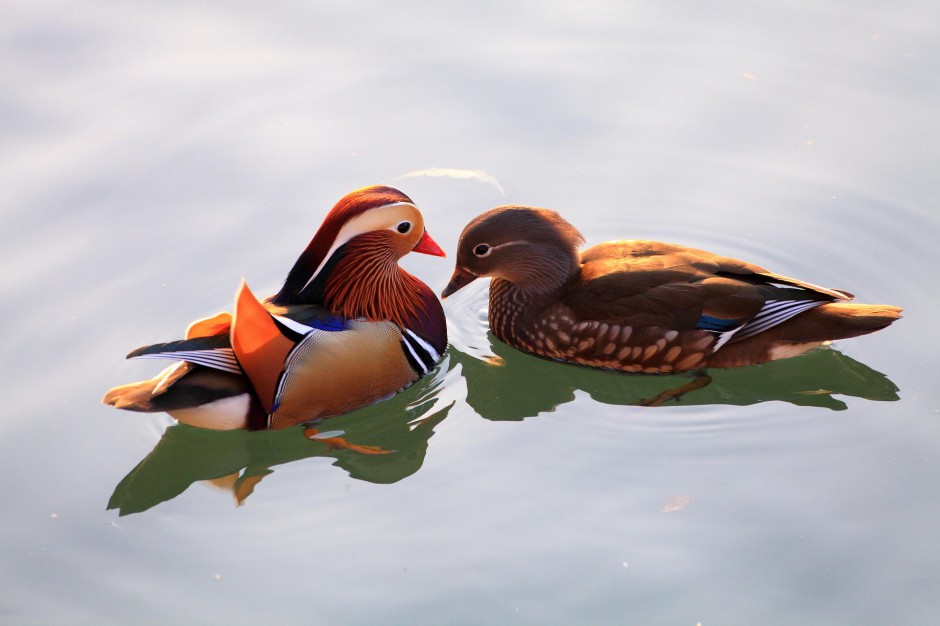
x=362 y=238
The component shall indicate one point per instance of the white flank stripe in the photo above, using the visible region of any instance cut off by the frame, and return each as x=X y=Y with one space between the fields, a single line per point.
x=417 y=358
x=435 y=357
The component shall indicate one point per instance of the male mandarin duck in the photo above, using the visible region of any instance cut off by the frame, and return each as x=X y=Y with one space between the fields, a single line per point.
x=348 y=328
x=643 y=306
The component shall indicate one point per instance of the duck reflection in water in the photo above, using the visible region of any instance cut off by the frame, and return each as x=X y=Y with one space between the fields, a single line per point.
x=387 y=442
x=382 y=443
x=508 y=384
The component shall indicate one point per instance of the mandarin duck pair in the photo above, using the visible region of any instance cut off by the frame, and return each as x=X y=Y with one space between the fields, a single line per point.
x=350 y=327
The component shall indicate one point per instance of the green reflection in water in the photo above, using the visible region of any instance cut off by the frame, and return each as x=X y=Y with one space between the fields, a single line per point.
x=388 y=441
x=382 y=443
x=515 y=385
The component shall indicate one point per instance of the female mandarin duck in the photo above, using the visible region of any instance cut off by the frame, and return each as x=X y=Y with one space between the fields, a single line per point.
x=348 y=328
x=643 y=306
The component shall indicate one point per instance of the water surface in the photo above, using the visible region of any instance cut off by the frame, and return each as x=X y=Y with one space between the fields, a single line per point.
x=155 y=154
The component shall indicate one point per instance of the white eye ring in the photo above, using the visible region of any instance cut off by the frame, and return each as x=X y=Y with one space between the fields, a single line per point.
x=481 y=250
x=403 y=227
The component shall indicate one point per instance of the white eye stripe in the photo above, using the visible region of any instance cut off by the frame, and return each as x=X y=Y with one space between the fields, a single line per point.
x=490 y=248
x=363 y=223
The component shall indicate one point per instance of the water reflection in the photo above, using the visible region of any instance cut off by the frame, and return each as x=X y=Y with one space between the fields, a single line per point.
x=388 y=441
x=382 y=443
x=511 y=385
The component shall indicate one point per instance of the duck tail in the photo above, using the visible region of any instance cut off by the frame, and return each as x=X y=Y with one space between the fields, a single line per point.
x=842 y=320
x=133 y=396
x=140 y=396
x=808 y=330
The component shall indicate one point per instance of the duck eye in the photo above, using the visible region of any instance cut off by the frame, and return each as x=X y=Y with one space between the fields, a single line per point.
x=482 y=250
x=404 y=227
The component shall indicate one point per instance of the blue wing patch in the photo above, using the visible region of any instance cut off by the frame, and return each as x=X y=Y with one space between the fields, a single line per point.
x=295 y=329
x=332 y=323
x=314 y=319
x=716 y=324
